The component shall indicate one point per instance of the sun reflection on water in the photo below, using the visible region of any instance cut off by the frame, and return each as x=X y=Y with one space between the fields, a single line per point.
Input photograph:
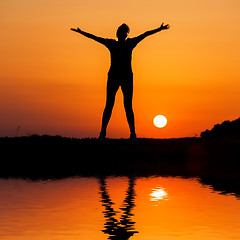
x=158 y=193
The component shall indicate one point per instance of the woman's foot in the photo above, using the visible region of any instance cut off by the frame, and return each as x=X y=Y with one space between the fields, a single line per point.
x=133 y=137
x=102 y=136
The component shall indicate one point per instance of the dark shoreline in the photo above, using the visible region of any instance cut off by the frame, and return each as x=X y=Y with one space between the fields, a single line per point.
x=214 y=161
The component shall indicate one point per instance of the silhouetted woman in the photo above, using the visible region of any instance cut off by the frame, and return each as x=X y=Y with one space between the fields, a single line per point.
x=120 y=72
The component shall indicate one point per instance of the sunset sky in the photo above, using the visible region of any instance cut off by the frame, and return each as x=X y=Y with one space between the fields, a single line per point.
x=53 y=80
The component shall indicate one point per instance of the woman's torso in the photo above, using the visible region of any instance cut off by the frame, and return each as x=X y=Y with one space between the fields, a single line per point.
x=121 y=58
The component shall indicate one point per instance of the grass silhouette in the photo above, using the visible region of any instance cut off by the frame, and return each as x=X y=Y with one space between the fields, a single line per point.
x=212 y=158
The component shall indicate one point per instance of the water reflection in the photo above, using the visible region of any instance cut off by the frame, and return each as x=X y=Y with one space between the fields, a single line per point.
x=121 y=229
x=158 y=193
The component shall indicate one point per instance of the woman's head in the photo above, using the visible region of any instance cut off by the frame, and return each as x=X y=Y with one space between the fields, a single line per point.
x=123 y=31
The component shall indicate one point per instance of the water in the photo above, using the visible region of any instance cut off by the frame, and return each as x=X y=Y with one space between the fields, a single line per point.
x=164 y=208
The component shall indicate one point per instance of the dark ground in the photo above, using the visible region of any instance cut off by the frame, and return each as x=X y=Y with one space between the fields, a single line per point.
x=215 y=161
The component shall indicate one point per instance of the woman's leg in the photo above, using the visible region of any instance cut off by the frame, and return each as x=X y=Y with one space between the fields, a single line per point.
x=127 y=90
x=111 y=93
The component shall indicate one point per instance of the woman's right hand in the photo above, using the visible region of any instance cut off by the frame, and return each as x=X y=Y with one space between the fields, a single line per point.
x=76 y=29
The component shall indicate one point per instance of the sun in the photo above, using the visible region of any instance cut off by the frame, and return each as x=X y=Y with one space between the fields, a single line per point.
x=160 y=121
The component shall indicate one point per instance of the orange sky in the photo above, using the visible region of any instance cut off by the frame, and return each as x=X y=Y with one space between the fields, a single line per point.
x=52 y=80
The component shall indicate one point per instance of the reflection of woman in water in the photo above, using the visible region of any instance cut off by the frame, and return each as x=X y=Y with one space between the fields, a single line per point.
x=120 y=72
x=121 y=229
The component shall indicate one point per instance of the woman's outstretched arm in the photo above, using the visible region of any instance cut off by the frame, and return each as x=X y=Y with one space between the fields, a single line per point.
x=148 y=33
x=89 y=35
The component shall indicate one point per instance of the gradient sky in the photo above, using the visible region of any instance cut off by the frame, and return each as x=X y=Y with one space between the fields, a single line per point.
x=53 y=80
